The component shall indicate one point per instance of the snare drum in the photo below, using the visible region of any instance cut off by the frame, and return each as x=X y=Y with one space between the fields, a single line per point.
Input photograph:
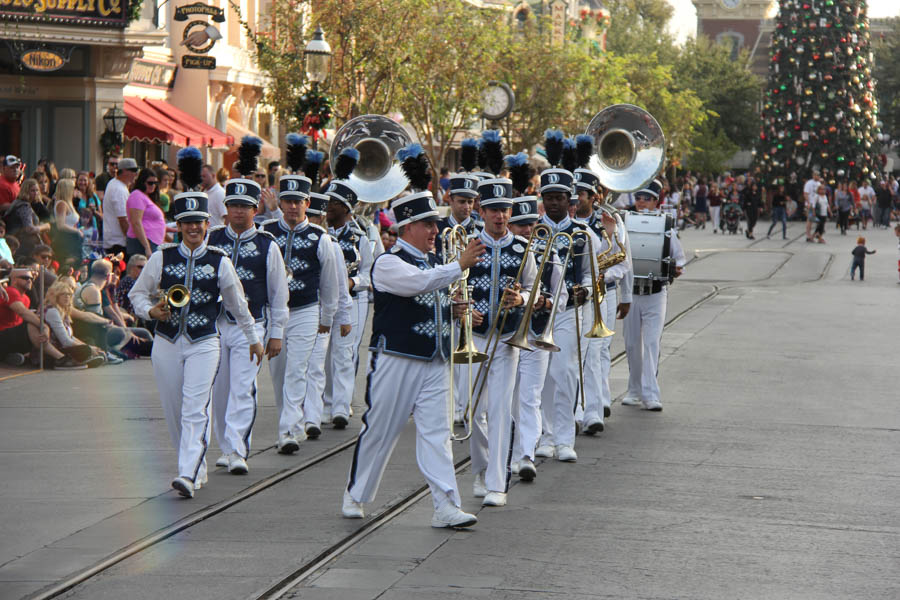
x=649 y=235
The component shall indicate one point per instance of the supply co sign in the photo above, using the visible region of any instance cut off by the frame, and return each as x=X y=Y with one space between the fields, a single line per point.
x=106 y=13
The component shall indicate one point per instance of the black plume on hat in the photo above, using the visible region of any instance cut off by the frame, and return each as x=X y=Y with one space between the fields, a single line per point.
x=345 y=163
x=415 y=166
x=248 y=153
x=520 y=171
x=190 y=164
x=311 y=166
x=482 y=155
x=584 y=149
x=492 y=144
x=296 y=151
x=553 y=146
x=569 y=158
x=468 y=154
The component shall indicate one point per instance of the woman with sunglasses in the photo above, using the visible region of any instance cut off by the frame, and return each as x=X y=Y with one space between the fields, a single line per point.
x=146 y=221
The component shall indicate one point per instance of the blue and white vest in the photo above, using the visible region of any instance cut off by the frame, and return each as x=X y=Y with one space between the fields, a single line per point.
x=348 y=238
x=416 y=327
x=248 y=254
x=573 y=266
x=200 y=273
x=300 y=248
x=496 y=269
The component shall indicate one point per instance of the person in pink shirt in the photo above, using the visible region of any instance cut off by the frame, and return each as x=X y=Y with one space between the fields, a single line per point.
x=146 y=222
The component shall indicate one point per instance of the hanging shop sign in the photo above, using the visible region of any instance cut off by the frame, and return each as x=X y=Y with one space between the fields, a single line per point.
x=104 y=13
x=42 y=60
x=182 y=13
x=198 y=62
x=153 y=74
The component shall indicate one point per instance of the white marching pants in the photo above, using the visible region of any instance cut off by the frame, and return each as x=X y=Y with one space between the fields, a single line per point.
x=395 y=388
x=340 y=366
x=290 y=383
x=560 y=394
x=234 y=389
x=596 y=365
x=532 y=371
x=186 y=400
x=643 y=332
x=492 y=430
x=315 y=379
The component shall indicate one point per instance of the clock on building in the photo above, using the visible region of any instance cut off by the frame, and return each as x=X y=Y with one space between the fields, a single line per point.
x=497 y=101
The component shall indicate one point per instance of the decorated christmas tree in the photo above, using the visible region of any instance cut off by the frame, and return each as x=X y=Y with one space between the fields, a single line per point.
x=819 y=107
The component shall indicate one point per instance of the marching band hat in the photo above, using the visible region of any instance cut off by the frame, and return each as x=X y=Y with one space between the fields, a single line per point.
x=464 y=184
x=343 y=193
x=525 y=210
x=317 y=203
x=294 y=187
x=586 y=180
x=496 y=193
x=340 y=189
x=419 y=206
x=652 y=189
x=556 y=180
x=191 y=206
x=242 y=191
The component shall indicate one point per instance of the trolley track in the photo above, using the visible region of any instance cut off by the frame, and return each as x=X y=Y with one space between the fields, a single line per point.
x=309 y=568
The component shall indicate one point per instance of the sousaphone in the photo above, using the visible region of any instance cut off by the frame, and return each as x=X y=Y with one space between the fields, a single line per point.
x=629 y=147
x=377 y=176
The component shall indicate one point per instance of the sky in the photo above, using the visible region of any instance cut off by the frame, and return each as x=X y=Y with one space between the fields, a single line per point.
x=684 y=22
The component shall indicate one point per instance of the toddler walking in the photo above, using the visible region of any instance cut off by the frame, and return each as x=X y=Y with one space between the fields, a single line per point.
x=859 y=259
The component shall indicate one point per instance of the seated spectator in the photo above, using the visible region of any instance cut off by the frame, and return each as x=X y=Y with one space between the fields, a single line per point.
x=42 y=207
x=92 y=242
x=20 y=329
x=6 y=255
x=58 y=317
x=42 y=256
x=136 y=264
x=22 y=220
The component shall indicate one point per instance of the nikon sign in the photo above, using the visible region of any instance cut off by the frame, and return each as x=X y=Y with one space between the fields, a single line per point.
x=104 y=13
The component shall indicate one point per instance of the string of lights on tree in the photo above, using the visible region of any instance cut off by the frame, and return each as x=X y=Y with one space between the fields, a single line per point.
x=819 y=108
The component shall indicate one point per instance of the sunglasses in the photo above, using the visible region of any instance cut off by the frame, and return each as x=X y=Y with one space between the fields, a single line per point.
x=113 y=164
x=152 y=182
x=259 y=176
x=26 y=277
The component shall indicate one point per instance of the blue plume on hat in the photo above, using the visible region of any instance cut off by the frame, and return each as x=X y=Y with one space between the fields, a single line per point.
x=520 y=171
x=311 y=167
x=468 y=154
x=345 y=163
x=248 y=153
x=553 y=146
x=569 y=157
x=415 y=166
x=492 y=144
x=296 y=151
x=190 y=164
x=584 y=149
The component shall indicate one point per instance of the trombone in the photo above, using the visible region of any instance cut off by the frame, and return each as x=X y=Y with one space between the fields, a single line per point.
x=453 y=242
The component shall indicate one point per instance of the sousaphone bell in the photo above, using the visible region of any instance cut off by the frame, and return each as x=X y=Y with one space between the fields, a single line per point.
x=630 y=148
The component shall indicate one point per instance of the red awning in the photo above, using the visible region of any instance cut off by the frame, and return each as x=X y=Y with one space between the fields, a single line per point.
x=159 y=121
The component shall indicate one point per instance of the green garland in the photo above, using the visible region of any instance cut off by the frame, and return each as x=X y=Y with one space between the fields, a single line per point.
x=313 y=112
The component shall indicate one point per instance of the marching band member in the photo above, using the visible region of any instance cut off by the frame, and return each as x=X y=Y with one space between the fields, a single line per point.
x=532 y=367
x=357 y=256
x=315 y=376
x=560 y=394
x=259 y=266
x=597 y=363
x=186 y=346
x=462 y=194
x=312 y=279
x=491 y=277
x=644 y=322
x=409 y=348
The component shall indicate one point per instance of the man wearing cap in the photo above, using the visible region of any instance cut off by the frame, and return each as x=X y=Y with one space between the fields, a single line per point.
x=462 y=194
x=186 y=345
x=644 y=322
x=260 y=268
x=598 y=399
x=493 y=294
x=115 y=217
x=409 y=348
x=312 y=280
x=358 y=259
x=9 y=181
x=560 y=393
x=322 y=350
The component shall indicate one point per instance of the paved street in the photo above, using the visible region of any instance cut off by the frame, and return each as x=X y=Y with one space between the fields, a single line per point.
x=773 y=471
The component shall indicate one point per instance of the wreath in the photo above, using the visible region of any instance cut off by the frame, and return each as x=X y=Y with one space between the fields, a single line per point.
x=111 y=142
x=313 y=111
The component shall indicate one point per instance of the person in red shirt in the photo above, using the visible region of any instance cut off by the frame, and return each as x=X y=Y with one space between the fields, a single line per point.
x=20 y=328
x=9 y=180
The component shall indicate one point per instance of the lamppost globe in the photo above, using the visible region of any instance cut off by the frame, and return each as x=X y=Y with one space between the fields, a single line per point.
x=317 y=57
x=114 y=120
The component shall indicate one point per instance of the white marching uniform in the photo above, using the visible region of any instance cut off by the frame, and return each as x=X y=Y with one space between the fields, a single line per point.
x=560 y=395
x=324 y=348
x=401 y=383
x=186 y=399
x=235 y=389
x=643 y=333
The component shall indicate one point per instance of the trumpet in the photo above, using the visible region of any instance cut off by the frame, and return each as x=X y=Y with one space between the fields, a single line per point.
x=453 y=242
x=176 y=296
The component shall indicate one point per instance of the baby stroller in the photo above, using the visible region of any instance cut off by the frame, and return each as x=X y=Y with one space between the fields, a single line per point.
x=731 y=217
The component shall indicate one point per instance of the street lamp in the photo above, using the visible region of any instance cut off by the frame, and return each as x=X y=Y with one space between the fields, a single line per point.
x=317 y=60
x=114 y=122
